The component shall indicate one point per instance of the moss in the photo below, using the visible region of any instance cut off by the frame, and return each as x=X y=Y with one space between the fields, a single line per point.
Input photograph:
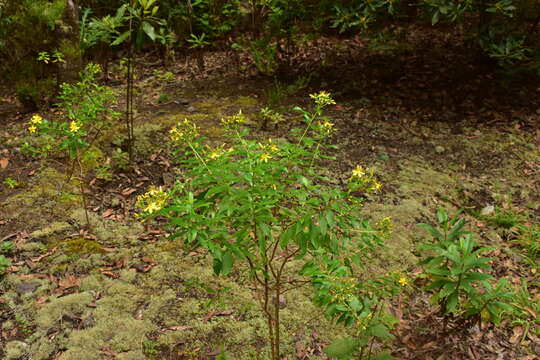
x=16 y=350
x=94 y=282
x=128 y=275
x=81 y=246
x=54 y=229
x=33 y=247
x=107 y=231
x=44 y=193
x=92 y=158
x=70 y=305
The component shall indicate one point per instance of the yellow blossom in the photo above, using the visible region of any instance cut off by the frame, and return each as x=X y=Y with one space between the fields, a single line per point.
x=328 y=125
x=323 y=98
x=270 y=147
x=184 y=131
x=36 y=119
x=74 y=127
x=153 y=201
x=358 y=171
x=32 y=128
x=265 y=157
x=234 y=120
x=403 y=281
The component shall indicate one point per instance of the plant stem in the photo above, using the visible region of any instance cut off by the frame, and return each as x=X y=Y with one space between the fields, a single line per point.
x=82 y=189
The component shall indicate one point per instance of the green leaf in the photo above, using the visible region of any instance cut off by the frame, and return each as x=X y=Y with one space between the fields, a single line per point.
x=385 y=355
x=120 y=39
x=149 y=30
x=452 y=303
x=227 y=263
x=342 y=348
x=435 y=18
x=355 y=304
x=442 y=215
x=380 y=331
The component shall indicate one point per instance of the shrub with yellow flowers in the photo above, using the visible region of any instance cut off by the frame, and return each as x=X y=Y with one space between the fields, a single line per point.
x=84 y=114
x=261 y=204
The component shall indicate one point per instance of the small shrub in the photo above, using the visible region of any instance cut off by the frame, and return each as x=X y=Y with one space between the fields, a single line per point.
x=263 y=205
x=458 y=277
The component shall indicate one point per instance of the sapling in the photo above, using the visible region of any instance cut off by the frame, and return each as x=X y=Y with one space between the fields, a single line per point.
x=263 y=205
x=86 y=111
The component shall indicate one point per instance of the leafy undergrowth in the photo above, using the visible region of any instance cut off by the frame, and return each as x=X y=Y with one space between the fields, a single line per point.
x=121 y=290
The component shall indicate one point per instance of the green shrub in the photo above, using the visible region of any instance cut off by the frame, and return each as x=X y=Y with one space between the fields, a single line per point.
x=458 y=277
x=263 y=205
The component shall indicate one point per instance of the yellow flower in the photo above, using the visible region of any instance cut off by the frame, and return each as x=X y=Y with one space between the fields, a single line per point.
x=74 y=127
x=32 y=128
x=403 y=281
x=323 y=98
x=234 y=120
x=358 y=171
x=265 y=157
x=36 y=119
x=184 y=131
x=328 y=125
x=154 y=200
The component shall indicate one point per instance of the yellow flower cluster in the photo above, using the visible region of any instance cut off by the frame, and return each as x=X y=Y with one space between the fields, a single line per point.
x=268 y=149
x=74 y=127
x=343 y=290
x=217 y=152
x=326 y=126
x=233 y=120
x=34 y=121
x=184 y=131
x=364 y=180
x=270 y=115
x=322 y=99
x=154 y=200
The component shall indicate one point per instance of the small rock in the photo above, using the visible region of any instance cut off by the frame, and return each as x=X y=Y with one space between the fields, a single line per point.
x=487 y=210
x=139 y=267
x=181 y=101
x=27 y=287
x=439 y=149
x=192 y=109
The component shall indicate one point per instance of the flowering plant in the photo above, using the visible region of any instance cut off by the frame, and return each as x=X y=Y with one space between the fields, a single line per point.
x=86 y=113
x=262 y=204
x=85 y=106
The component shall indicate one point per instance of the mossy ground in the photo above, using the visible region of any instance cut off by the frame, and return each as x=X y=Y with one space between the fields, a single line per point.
x=178 y=309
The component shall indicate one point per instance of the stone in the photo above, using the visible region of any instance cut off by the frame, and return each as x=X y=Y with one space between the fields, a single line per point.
x=181 y=101
x=487 y=210
x=192 y=109
x=439 y=149
x=27 y=287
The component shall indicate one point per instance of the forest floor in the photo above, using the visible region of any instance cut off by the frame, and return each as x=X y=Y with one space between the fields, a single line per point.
x=121 y=290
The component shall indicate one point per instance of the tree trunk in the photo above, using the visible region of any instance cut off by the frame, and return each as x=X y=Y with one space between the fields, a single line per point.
x=69 y=43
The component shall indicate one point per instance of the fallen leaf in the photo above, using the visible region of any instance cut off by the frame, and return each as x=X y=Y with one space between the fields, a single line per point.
x=69 y=282
x=128 y=191
x=178 y=328
x=4 y=162
x=518 y=333
x=110 y=274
